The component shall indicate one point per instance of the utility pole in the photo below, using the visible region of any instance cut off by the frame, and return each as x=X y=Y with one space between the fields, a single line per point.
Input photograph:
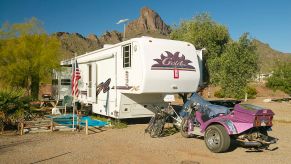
x=124 y=21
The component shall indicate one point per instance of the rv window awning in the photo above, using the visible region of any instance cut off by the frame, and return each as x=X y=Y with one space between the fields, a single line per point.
x=103 y=57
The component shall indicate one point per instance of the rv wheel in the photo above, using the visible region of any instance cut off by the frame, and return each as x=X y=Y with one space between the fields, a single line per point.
x=217 y=139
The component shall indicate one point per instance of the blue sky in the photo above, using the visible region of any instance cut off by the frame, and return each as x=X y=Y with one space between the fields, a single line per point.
x=266 y=20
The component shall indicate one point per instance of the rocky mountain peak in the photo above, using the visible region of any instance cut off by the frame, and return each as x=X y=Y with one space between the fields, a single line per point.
x=148 y=22
x=111 y=37
x=61 y=34
x=92 y=37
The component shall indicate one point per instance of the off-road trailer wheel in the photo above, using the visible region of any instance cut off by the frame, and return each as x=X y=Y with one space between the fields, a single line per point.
x=217 y=139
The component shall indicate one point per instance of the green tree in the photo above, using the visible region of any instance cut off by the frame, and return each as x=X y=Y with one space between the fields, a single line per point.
x=238 y=65
x=27 y=55
x=281 y=78
x=203 y=32
x=229 y=64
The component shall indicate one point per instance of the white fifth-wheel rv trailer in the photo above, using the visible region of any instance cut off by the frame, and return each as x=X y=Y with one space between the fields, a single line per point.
x=124 y=79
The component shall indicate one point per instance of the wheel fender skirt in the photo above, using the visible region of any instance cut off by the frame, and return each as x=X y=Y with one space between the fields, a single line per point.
x=228 y=124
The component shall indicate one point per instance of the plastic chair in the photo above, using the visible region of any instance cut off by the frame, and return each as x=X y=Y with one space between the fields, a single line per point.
x=67 y=102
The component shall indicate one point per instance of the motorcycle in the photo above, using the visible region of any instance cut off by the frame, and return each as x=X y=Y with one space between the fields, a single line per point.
x=246 y=124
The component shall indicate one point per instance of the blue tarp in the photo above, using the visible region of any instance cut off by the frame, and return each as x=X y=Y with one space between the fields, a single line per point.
x=68 y=119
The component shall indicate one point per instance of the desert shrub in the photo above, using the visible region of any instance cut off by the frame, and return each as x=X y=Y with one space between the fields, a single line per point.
x=252 y=92
x=281 y=78
x=219 y=94
x=13 y=107
x=98 y=117
x=115 y=123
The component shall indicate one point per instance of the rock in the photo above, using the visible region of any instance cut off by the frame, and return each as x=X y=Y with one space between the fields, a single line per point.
x=76 y=43
x=78 y=35
x=148 y=22
x=93 y=37
x=267 y=100
x=111 y=37
x=60 y=34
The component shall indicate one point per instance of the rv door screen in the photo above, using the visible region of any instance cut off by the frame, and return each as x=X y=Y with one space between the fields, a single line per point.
x=126 y=51
x=90 y=80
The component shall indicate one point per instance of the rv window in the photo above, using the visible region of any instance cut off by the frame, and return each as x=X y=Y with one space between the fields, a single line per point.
x=65 y=81
x=126 y=50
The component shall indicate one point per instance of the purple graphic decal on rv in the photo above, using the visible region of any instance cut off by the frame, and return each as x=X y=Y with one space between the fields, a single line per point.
x=173 y=61
x=103 y=86
x=122 y=87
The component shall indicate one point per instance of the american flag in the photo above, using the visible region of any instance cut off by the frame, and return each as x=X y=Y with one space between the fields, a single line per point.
x=75 y=77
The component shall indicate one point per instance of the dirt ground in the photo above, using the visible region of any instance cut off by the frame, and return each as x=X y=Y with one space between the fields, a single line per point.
x=132 y=145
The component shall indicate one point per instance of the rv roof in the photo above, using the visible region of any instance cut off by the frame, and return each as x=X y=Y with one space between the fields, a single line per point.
x=108 y=46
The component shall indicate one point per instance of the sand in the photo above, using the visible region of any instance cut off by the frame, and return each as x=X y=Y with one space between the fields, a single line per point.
x=132 y=145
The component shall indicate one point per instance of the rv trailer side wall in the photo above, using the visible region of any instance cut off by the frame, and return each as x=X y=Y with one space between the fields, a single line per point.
x=126 y=79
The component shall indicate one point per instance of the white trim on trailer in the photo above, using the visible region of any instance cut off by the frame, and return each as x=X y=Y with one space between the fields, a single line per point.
x=97 y=59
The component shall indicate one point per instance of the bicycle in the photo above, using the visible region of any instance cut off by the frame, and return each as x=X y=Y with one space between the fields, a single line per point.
x=158 y=121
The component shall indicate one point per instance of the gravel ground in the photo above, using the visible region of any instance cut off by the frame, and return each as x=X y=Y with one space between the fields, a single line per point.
x=131 y=145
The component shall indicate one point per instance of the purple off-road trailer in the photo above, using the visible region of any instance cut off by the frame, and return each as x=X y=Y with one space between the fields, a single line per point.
x=245 y=123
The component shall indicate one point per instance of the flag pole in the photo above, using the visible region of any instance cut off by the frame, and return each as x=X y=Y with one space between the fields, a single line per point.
x=73 y=90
